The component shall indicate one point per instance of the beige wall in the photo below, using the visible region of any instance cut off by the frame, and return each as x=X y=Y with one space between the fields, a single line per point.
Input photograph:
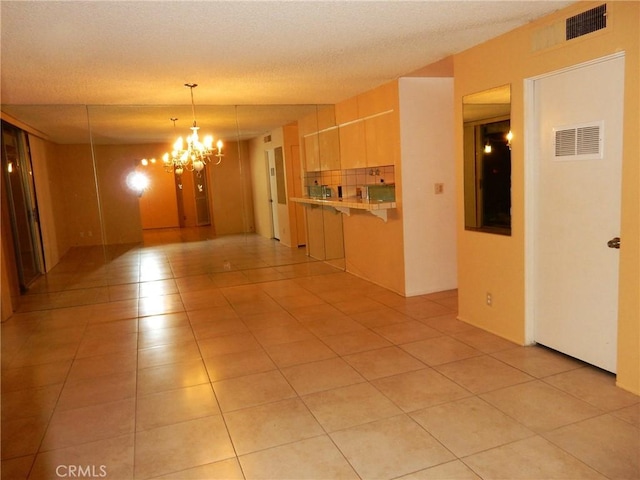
x=286 y=138
x=49 y=181
x=82 y=216
x=158 y=205
x=496 y=263
x=230 y=188
x=260 y=186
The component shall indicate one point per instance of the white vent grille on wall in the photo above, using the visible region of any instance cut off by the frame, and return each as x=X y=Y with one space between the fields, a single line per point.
x=579 y=142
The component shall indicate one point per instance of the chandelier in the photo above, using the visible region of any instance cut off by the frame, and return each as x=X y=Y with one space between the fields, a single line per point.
x=195 y=154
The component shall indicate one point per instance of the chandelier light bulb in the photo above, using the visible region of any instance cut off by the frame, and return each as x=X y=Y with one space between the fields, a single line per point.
x=196 y=154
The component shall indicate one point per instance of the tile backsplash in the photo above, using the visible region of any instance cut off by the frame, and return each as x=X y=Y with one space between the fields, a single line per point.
x=350 y=179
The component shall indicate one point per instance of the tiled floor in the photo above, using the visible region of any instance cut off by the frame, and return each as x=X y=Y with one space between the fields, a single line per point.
x=240 y=358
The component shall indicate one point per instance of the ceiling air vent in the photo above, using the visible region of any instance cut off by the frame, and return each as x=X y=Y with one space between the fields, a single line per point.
x=586 y=22
x=579 y=142
x=266 y=139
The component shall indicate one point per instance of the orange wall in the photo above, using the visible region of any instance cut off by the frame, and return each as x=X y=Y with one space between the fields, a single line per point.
x=158 y=206
x=496 y=263
x=230 y=191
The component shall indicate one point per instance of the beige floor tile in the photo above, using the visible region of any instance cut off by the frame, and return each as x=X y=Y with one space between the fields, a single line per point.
x=349 y=406
x=116 y=327
x=180 y=446
x=158 y=288
x=93 y=391
x=193 y=283
x=595 y=387
x=109 y=312
x=629 y=414
x=34 y=376
x=538 y=361
x=295 y=353
x=230 y=365
x=110 y=458
x=448 y=323
x=322 y=375
x=123 y=292
x=203 y=299
x=89 y=424
x=390 y=447
x=379 y=317
x=383 y=362
x=312 y=459
x=455 y=470
x=121 y=343
x=22 y=436
x=482 y=374
x=169 y=320
x=275 y=335
x=279 y=318
x=30 y=402
x=165 y=336
x=167 y=354
x=80 y=378
x=304 y=300
x=251 y=390
x=419 y=389
x=233 y=343
x=470 y=426
x=266 y=426
x=171 y=376
x=440 y=350
x=92 y=367
x=318 y=312
x=407 y=332
x=539 y=406
x=262 y=306
x=333 y=325
x=531 y=458
x=174 y=406
x=358 y=305
x=16 y=468
x=212 y=315
x=218 y=328
x=605 y=443
x=160 y=305
x=26 y=357
x=355 y=342
x=484 y=341
x=223 y=470
x=424 y=309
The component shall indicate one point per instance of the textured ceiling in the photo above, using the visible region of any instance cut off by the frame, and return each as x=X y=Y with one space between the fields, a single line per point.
x=123 y=53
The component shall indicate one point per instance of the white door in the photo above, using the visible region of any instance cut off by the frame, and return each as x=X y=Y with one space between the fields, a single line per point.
x=576 y=181
x=273 y=193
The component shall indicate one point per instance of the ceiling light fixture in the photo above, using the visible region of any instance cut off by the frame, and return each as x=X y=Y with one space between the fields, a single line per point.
x=196 y=154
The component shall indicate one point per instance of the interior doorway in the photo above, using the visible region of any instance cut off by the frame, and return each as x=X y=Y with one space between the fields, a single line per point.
x=273 y=191
x=22 y=205
x=573 y=185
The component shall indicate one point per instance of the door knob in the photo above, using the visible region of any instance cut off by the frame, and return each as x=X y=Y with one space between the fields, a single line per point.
x=614 y=243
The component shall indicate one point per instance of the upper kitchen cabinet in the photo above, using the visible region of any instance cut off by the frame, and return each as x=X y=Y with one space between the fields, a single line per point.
x=328 y=139
x=320 y=140
x=353 y=145
x=369 y=128
x=309 y=153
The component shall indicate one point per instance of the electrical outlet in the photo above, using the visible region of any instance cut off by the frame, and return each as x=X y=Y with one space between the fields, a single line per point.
x=489 y=299
x=438 y=188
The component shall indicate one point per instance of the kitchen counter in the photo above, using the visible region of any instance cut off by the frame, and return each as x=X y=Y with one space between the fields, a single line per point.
x=345 y=205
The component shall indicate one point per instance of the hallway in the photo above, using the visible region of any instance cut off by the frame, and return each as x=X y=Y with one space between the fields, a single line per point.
x=235 y=357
